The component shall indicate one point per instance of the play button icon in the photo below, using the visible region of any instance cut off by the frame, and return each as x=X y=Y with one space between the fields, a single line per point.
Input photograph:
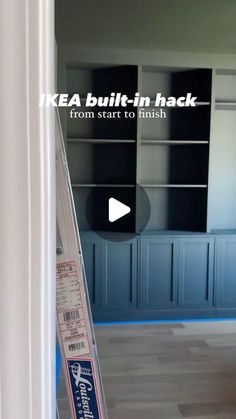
x=114 y=211
x=117 y=210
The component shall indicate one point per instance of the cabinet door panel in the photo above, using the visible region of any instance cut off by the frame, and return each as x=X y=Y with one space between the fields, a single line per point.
x=226 y=272
x=158 y=273
x=196 y=272
x=119 y=275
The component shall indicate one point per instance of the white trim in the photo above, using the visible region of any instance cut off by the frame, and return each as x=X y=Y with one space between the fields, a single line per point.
x=27 y=219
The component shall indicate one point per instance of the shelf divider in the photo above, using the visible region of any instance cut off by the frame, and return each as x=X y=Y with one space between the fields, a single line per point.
x=101 y=185
x=174 y=142
x=225 y=102
x=167 y=185
x=97 y=141
x=152 y=103
x=224 y=105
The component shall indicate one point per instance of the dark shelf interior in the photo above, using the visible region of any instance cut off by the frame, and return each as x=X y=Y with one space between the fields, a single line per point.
x=188 y=164
x=197 y=82
x=97 y=209
x=190 y=123
x=115 y=163
x=122 y=80
x=187 y=209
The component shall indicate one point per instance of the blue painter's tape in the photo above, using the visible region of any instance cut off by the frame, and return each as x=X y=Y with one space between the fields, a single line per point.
x=140 y=322
x=58 y=364
x=81 y=373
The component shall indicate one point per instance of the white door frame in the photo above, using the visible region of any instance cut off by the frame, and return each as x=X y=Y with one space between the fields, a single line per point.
x=27 y=211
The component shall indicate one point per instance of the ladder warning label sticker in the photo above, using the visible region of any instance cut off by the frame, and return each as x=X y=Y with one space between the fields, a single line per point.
x=70 y=313
x=75 y=329
x=84 y=388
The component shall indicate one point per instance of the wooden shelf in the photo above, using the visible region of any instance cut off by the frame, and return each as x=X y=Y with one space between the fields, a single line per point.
x=103 y=185
x=225 y=102
x=152 y=103
x=224 y=105
x=149 y=185
x=174 y=142
x=203 y=103
x=97 y=141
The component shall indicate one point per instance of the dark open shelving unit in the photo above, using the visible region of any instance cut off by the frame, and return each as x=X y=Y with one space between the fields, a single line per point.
x=183 y=264
x=173 y=159
x=106 y=151
x=168 y=157
x=174 y=153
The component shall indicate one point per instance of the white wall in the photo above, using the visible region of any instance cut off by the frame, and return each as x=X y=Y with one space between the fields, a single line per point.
x=206 y=26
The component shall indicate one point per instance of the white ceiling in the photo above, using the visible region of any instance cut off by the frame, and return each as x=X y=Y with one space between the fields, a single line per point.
x=177 y=25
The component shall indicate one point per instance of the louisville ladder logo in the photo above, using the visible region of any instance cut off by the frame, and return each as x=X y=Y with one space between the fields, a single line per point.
x=83 y=388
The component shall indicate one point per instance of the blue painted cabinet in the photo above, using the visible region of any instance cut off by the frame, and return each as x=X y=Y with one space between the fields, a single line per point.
x=226 y=272
x=160 y=276
x=91 y=246
x=119 y=275
x=159 y=269
x=196 y=268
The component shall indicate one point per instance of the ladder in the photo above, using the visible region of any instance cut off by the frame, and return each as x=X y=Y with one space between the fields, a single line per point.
x=74 y=321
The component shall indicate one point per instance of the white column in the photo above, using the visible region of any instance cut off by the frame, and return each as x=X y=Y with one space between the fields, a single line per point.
x=27 y=211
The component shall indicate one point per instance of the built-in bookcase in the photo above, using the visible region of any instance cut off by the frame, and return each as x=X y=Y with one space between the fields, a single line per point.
x=183 y=264
x=102 y=151
x=185 y=162
x=174 y=151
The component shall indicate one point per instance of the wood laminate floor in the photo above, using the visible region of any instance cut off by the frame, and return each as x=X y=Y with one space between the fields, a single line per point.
x=167 y=371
